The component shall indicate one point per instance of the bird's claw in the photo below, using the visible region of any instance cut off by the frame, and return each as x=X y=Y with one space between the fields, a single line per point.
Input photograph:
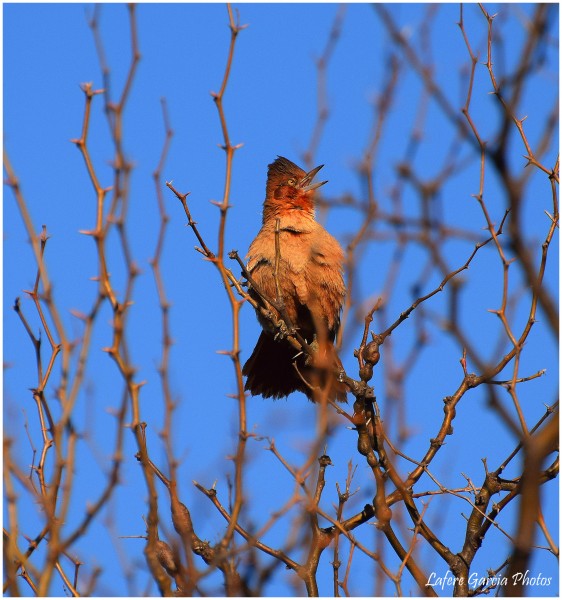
x=282 y=330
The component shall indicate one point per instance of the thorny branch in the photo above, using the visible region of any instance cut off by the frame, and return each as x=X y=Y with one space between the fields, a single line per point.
x=398 y=491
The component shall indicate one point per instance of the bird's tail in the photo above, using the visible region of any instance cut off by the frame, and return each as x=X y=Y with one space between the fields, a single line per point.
x=274 y=371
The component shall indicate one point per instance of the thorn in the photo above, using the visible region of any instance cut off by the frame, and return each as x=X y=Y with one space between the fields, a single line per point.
x=78 y=315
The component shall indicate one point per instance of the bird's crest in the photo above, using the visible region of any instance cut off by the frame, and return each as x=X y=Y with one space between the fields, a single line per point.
x=283 y=166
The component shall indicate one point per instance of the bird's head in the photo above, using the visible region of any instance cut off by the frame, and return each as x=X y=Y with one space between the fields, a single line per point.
x=288 y=183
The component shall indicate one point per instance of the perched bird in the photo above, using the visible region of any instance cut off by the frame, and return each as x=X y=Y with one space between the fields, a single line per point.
x=310 y=285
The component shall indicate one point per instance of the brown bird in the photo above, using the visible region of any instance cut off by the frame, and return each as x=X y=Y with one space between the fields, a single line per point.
x=310 y=285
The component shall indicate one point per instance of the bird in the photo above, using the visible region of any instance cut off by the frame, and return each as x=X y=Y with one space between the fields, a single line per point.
x=301 y=272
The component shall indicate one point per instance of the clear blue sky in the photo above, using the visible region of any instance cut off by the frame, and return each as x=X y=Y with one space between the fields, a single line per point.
x=271 y=108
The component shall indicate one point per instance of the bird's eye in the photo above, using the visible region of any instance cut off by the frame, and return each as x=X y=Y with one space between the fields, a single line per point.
x=291 y=181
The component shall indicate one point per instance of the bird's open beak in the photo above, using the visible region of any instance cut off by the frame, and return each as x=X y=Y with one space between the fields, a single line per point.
x=305 y=183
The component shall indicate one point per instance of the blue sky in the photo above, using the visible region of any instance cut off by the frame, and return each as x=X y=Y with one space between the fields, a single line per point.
x=271 y=107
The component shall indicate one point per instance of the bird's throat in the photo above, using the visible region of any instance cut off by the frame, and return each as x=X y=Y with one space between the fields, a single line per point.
x=286 y=205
